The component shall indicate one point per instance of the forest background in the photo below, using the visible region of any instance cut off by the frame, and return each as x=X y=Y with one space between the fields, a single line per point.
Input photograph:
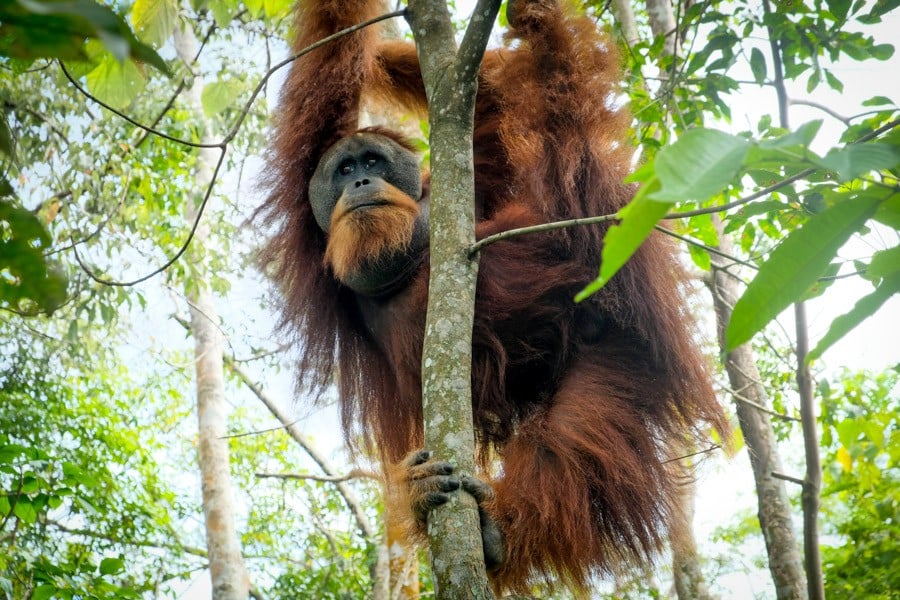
x=126 y=275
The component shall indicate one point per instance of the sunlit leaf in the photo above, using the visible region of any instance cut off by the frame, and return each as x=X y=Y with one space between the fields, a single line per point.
x=623 y=239
x=111 y=566
x=43 y=592
x=844 y=459
x=154 y=20
x=794 y=266
x=117 y=84
x=219 y=95
x=24 y=509
x=702 y=163
x=863 y=309
x=854 y=160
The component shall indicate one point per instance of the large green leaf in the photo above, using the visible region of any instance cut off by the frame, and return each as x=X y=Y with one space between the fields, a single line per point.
x=863 y=309
x=116 y=83
x=702 y=163
x=154 y=20
x=795 y=265
x=218 y=95
x=854 y=160
x=884 y=263
x=57 y=29
x=622 y=240
x=758 y=65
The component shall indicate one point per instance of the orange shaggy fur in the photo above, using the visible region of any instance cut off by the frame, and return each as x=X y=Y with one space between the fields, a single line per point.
x=359 y=234
x=582 y=404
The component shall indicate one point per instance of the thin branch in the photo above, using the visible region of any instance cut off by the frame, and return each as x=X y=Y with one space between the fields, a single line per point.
x=708 y=248
x=477 y=246
x=181 y=250
x=368 y=531
x=697 y=453
x=89 y=533
x=353 y=474
x=749 y=402
x=784 y=477
x=822 y=107
x=134 y=122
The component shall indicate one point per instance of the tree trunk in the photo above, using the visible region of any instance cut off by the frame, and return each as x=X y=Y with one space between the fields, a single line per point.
x=686 y=572
x=450 y=82
x=785 y=562
x=229 y=576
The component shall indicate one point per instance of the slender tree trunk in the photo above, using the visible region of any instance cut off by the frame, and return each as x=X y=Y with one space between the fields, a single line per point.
x=688 y=577
x=662 y=22
x=812 y=480
x=785 y=563
x=229 y=576
x=687 y=574
x=624 y=15
x=450 y=82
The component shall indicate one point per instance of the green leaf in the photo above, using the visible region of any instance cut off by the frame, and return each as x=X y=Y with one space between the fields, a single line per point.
x=154 y=20
x=219 y=95
x=276 y=9
x=117 y=84
x=882 y=51
x=794 y=266
x=623 y=239
x=702 y=163
x=854 y=160
x=758 y=65
x=111 y=566
x=813 y=82
x=43 y=592
x=884 y=263
x=878 y=101
x=25 y=510
x=889 y=212
x=839 y=8
x=802 y=136
x=223 y=12
x=833 y=82
x=863 y=309
x=255 y=7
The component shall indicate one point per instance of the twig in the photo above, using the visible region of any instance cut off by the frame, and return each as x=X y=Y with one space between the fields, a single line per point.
x=353 y=474
x=822 y=107
x=697 y=453
x=784 y=477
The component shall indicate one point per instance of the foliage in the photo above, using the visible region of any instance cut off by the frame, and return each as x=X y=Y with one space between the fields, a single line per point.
x=96 y=437
x=31 y=29
x=84 y=511
x=861 y=494
x=821 y=200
